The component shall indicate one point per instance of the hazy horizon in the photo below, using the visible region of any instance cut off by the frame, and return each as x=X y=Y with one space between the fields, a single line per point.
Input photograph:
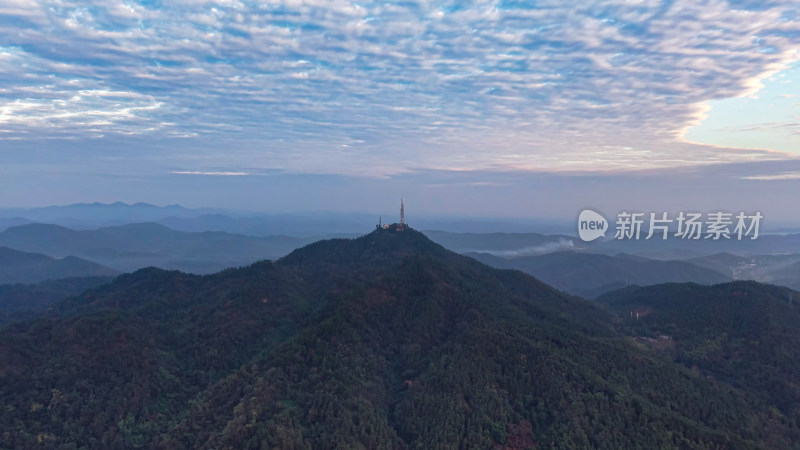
x=95 y=215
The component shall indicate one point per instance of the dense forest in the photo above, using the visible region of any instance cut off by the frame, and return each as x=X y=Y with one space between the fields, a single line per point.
x=385 y=341
x=20 y=301
x=743 y=333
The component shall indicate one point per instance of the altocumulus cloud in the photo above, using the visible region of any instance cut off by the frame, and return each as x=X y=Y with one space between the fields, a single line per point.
x=385 y=87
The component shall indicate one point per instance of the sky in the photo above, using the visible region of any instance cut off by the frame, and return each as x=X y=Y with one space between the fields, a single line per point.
x=480 y=108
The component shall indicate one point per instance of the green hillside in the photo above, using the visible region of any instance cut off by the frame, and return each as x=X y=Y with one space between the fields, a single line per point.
x=742 y=333
x=18 y=301
x=386 y=341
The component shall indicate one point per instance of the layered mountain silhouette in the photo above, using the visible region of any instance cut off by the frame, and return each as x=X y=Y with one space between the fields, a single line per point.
x=23 y=267
x=781 y=269
x=130 y=247
x=102 y=214
x=592 y=274
x=787 y=276
x=385 y=341
x=251 y=223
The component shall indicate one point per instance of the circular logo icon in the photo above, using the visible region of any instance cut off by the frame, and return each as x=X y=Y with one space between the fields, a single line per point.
x=591 y=225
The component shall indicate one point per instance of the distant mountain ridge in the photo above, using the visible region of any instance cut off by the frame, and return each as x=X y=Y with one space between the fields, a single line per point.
x=133 y=246
x=592 y=274
x=106 y=211
x=252 y=223
x=9 y=222
x=24 y=267
x=787 y=276
x=674 y=248
x=781 y=269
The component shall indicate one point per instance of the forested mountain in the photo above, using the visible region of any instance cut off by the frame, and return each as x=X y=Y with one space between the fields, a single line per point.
x=18 y=301
x=385 y=341
x=591 y=274
x=23 y=267
x=743 y=333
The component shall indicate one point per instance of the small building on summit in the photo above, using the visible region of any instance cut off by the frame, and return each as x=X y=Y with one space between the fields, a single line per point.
x=402 y=225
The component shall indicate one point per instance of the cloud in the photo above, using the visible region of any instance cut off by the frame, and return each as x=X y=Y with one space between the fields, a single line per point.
x=378 y=88
x=791 y=127
x=222 y=174
x=549 y=247
x=775 y=177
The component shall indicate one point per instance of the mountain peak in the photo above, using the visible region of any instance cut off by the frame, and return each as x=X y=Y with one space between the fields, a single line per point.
x=378 y=247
